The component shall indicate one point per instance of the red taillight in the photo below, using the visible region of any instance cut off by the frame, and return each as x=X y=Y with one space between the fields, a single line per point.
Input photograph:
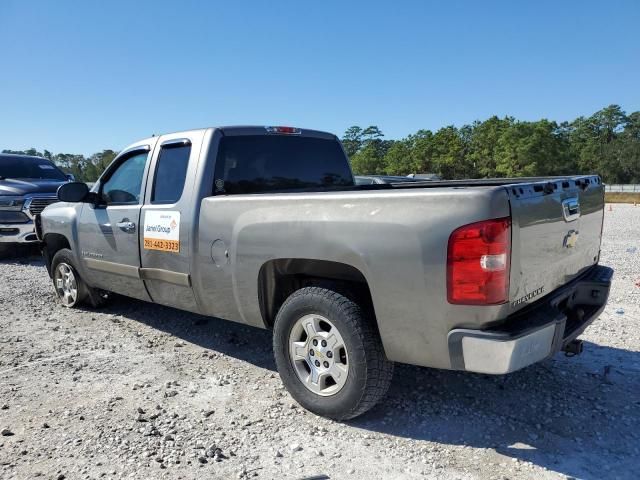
x=478 y=263
x=284 y=130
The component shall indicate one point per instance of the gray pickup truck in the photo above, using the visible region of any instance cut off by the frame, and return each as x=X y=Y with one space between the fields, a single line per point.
x=27 y=185
x=264 y=226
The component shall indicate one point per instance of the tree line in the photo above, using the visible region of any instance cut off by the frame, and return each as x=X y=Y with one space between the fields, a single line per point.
x=607 y=143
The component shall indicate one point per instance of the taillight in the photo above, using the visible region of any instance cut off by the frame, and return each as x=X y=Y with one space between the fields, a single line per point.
x=284 y=130
x=478 y=263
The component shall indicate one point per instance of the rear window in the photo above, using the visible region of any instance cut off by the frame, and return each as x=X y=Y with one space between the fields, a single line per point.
x=29 y=167
x=265 y=163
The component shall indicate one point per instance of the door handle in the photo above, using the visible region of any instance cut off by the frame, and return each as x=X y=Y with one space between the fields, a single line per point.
x=571 y=209
x=126 y=226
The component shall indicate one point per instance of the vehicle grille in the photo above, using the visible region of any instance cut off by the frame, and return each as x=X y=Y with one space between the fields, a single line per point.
x=38 y=204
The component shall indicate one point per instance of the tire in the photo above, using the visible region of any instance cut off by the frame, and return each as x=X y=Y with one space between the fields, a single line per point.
x=67 y=280
x=352 y=373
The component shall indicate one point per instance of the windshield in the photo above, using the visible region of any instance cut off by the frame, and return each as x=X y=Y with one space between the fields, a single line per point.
x=29 y=167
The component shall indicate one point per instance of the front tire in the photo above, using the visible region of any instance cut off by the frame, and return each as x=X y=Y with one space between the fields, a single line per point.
x=70 y=289
x=67 y=284
x=329 y=354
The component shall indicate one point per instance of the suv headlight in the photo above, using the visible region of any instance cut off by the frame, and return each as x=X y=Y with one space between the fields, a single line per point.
x=11 y=203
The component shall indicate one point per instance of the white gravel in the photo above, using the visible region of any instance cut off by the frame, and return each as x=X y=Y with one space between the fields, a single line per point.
x=143 y=391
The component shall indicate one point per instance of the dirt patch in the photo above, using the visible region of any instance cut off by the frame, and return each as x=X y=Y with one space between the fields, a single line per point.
x=622 y=197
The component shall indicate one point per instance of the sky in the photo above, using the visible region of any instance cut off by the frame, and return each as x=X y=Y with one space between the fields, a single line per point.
x=83 y=76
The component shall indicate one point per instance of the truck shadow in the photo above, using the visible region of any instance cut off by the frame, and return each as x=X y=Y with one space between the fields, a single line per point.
x=579 y=417
x=244 y=342
x=20 y=254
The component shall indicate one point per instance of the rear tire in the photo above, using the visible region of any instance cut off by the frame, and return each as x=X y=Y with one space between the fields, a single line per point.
x=70 y=289
x=329 y=354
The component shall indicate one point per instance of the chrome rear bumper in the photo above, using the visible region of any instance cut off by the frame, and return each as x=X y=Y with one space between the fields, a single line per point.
x=535 y=333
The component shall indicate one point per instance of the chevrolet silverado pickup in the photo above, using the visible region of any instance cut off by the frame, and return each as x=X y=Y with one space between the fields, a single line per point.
x=265 y=226
x=27 y=185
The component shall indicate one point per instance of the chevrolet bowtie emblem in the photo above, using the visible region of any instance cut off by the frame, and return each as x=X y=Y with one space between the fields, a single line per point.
x=571 y=239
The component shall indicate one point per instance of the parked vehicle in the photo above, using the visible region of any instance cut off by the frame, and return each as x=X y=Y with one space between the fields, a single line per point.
x=425 y=176
x=380 y=179
x=264 y=226
x=27 y=185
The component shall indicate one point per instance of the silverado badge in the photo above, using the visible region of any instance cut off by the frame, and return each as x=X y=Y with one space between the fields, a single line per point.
x=528 y=296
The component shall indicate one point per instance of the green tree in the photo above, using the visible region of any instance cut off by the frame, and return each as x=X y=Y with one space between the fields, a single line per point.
x=368 y=161
x=366 y=149
x=592 y=137
x=529 y=149
x=421 y=152
x=100 y=162
x=482 y=143
x=398 y=159
x=352 y=140
x=371 y=134
x=449 y=153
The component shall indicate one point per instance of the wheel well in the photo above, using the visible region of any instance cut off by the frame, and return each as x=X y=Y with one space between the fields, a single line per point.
x=53 y=242
x=280 y=278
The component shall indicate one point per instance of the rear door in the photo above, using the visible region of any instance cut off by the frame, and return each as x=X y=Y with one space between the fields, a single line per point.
x=167 y=220
x=108 y=232
x=555 y=236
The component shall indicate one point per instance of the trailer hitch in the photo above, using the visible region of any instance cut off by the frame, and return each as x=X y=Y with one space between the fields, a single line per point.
x=573 y=348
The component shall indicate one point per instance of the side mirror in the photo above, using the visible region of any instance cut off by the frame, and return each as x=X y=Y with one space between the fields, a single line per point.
x=73 y=192
x=71 y=177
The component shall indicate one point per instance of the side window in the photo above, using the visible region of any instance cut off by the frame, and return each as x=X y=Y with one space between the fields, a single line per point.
x=171 y=171
x=125 y=183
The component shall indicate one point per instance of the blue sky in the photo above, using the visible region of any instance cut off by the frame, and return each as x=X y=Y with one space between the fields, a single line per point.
x=78 y=77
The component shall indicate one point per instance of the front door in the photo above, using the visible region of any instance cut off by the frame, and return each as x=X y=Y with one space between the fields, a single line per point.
x=108 y=233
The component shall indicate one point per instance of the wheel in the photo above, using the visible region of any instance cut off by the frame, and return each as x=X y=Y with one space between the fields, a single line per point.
x=69 y=287
x=329 y=355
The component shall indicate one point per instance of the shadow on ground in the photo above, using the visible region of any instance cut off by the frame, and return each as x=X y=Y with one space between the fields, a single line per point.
x=20 y=253
x=579 y=417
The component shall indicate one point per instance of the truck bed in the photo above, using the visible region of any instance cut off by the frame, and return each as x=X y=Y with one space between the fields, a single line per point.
x=396 y=237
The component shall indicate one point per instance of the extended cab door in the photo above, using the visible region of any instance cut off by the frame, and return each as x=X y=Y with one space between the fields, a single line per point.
x=167 y=220
x=108 y=232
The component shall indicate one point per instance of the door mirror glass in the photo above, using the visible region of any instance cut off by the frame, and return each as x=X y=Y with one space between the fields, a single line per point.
x=73 y=192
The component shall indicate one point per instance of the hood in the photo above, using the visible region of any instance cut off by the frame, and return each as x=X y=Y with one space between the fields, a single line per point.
x=15 y=186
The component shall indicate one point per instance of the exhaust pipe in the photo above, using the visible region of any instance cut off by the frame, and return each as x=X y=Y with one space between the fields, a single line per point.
x=573 y=348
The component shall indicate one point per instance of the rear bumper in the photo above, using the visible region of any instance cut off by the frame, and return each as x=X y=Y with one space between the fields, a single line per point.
x=17 y=233
x=536 y=332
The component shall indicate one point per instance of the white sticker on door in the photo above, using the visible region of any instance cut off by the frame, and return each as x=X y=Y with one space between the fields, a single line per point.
x=162 y=231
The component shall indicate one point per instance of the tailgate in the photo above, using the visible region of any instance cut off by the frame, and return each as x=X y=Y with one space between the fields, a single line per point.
x=556 y=229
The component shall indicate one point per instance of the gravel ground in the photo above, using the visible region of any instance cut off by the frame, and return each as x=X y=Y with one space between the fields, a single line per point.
x=143 y=391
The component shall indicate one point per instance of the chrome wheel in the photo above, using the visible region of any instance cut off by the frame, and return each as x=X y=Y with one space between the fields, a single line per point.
x=319 y=355
x=66 y=285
